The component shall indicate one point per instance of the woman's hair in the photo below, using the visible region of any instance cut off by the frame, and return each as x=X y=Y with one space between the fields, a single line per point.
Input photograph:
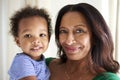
x=101 y=41
x=26 y=13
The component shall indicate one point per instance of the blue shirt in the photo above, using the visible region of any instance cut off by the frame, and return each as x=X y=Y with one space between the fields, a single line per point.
x=24 y=66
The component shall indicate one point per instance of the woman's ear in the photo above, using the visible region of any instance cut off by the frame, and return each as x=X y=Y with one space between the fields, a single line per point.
x=17 y=41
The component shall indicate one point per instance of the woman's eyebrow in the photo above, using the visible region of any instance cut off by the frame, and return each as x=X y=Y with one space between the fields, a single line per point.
x=80 y=25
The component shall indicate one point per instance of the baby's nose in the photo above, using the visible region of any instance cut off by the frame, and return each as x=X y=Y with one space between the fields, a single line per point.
x=36 y=41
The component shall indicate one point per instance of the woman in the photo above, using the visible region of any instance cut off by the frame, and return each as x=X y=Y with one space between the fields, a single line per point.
x=85 y=46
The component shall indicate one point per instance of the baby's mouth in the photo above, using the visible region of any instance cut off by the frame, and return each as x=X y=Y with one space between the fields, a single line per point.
x=36 y=48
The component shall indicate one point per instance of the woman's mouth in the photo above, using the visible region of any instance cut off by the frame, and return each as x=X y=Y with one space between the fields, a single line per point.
x=71 y=49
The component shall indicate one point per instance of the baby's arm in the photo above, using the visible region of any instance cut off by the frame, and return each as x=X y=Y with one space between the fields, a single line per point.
x=22 y=69
x=29 y=78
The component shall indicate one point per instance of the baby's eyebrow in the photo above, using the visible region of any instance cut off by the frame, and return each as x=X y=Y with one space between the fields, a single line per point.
x=26 y=30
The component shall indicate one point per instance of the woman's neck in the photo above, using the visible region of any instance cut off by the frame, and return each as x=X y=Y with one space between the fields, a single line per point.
x=75 y=65
x=78 y=69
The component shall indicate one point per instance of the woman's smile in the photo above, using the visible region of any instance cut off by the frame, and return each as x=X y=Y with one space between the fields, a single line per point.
x=71 y=49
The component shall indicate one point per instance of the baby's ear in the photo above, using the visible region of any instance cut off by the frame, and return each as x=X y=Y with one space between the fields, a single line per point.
x=17 y=41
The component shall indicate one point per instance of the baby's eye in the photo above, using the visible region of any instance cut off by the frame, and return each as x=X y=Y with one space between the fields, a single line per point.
x=27 y=35
x=62 y=31
x=42 y=35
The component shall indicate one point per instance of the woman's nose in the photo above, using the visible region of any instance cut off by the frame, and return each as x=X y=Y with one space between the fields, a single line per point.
x=70 y=39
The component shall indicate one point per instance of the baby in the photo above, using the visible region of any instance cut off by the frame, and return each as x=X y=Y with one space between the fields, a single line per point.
x=31 y=29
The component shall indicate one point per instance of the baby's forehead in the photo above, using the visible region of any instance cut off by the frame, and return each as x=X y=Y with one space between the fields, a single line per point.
x=36 y=17
x=33 y=19
x=33 y=23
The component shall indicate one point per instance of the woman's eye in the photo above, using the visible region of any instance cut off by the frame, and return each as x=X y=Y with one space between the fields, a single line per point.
x=42 y=35
x=80 y=31
x=28 y=36
x=63 y=31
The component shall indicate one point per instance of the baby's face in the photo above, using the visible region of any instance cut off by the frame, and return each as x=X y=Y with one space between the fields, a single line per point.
x=33 y=36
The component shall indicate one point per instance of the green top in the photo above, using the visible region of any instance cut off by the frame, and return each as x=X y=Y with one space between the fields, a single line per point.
x=107 y=76
x=103 y=76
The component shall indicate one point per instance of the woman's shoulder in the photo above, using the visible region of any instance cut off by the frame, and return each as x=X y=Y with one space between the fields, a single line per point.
x=53 y=64
x=52 y=61
x=107 y=76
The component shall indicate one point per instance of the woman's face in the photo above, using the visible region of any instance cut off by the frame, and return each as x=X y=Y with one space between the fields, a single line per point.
x=74 y=36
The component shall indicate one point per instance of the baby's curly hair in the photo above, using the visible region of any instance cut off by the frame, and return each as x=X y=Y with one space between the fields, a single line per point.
x=26 y=13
